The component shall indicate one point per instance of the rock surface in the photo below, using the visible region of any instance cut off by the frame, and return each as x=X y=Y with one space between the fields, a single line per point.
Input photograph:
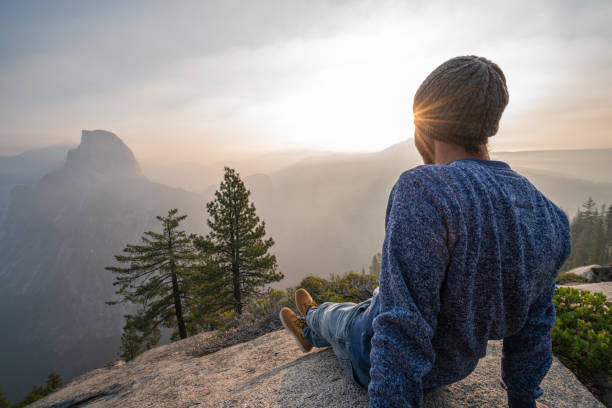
x=602 y=287
x=102 y=152
x=594 y=273
x=270 y=371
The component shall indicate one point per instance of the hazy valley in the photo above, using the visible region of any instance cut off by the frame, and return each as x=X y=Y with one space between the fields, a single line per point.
x=64 y=216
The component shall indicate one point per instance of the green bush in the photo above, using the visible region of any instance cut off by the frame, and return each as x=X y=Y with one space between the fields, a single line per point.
x=268 y=307
x=260 y=312
x=258 y=318
x=582 y=336
x=318 y=288
x=349 y=287
x=54 y=382
x=565 y=278
x=352 y=287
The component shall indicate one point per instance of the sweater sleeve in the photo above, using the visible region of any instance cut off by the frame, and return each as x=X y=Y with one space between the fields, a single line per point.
x=527 y=355
x=414 y=263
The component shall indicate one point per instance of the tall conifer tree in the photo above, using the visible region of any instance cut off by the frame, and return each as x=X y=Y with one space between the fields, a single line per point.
x=157 y=273
x=210 y=288
x=237 y=242
x=591 y=234
x=4 y=403
x=608 y=225
x=138 y=336
x=54 y=381
x=375 y=265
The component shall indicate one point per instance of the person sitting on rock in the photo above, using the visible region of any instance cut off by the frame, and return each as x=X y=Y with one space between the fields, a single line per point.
x=470 y=254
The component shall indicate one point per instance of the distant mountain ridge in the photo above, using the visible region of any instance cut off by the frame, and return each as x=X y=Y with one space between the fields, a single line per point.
x=55 y=240
x=325 y=213
x=27 y=168
x=332 y=207
x=593 y=165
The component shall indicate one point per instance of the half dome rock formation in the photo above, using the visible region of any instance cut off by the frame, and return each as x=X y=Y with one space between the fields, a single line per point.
x=55 y=239
x=270 y=371
x=102 y=153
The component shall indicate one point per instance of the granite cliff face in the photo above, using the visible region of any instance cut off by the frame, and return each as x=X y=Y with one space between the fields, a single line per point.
x=271 y=371
x=102 y=154
x=55 y=240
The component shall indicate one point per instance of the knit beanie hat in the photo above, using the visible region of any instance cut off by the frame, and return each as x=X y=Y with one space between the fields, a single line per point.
x=461 y=101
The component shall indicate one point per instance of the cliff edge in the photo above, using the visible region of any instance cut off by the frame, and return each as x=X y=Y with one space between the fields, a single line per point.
x=270 y=371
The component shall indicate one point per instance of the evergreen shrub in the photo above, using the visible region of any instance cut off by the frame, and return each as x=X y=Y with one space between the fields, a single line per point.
x=582 y=335
x=565 y=278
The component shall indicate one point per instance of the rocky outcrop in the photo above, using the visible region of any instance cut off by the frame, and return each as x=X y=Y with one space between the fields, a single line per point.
x=594 y=273
x=271 y=371
x=601 y=287
x=102 y=152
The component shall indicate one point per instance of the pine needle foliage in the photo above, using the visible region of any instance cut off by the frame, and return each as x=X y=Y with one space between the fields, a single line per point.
x=591 y=234
x=156 y=276
x=236 y=244
x=4 y=402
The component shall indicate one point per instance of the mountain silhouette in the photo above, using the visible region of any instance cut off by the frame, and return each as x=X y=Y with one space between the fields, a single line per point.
x=325 y=213
x=55 y=240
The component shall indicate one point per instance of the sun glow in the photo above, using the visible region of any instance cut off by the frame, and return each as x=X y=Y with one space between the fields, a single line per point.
x=355 y=95
x=330 y=75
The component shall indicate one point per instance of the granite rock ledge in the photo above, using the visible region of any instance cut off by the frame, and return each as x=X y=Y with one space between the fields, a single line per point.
x=270 y=371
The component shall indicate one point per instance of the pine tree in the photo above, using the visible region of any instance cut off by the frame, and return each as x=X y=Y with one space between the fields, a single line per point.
x=4 y=402
x=599 y=237
x=54 y=381
x=591 y=236
x=210 y=288
x=375 y=265
x=589 y=208
x=38 y=392
x=580 y=234
x=592 y=239
x=138 y=336
x=131 y=343
x=236 y=242
x=157 y=273
x=608 y=232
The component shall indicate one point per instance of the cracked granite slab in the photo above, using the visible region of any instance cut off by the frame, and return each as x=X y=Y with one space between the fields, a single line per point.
x=270 y=371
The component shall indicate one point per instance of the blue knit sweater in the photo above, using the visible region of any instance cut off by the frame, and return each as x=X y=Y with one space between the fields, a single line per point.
x=471 y=253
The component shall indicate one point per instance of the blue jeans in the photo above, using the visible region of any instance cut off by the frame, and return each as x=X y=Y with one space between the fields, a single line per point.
x=328 y=325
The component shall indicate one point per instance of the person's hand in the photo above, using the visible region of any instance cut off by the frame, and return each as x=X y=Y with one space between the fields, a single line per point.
x=540 y=405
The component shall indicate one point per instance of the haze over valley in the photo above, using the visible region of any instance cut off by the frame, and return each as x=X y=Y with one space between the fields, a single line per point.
x=310 y=102
x=325 y=212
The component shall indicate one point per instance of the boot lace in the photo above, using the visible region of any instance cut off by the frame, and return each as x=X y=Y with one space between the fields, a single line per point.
x=300 y=322
x=308 y=304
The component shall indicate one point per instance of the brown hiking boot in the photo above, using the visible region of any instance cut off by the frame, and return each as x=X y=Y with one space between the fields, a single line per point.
x=294 y=324
x=303 y=301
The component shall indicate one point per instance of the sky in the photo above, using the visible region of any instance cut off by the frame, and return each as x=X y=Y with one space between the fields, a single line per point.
x=188 y=81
